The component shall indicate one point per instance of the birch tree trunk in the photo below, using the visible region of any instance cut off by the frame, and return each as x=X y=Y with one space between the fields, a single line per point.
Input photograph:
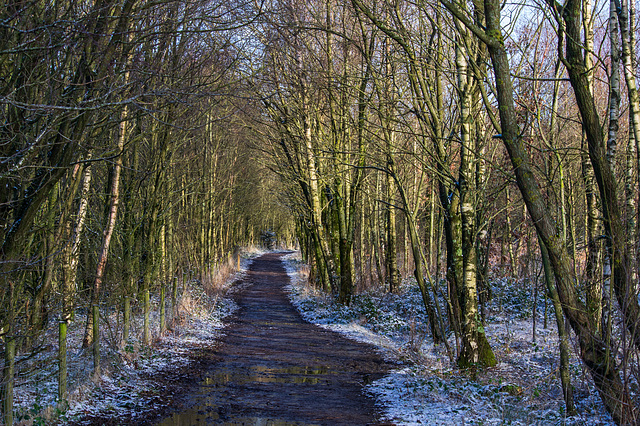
x=597 y=354
x=322 y=245
x=475 y=351
x=593 y=267
x=70 y=270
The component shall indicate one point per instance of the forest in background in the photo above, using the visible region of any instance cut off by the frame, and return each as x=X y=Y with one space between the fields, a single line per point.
x=454 y=142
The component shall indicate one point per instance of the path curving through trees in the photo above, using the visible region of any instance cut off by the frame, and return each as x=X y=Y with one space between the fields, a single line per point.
x=273 y=368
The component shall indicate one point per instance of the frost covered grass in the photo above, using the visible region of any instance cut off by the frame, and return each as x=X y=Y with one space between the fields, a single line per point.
x=427 y=388
x=130 y=371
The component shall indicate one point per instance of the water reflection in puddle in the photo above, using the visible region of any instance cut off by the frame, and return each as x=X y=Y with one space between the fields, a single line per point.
x=265 y=374
x=221 y=379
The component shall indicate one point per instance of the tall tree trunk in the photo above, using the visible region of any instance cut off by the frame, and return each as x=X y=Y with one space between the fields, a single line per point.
x=450 y=200
x=593 y=283
x=630 y=194
x=149 y=269
x=431 y=306
x=70 y=270
x=627 y=31
x=432 y=227
x=386 y=108
x=375 y=233
x=626 y=19
x=163 y=279
x=345 y=248
x=475 y=351
x=8 y=370
x=632 y=47
x=171 y=266
x=322 y=245
x=565 y=376
x=392 y=238
x=131 y=244
x=91 y=337
x=51 y=246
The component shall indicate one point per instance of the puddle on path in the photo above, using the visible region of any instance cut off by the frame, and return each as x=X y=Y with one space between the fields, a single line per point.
x=217 y=382
x=265 y=374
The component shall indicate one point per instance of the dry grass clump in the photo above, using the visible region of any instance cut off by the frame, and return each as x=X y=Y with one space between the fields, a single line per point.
x=215 y=279
x=191 y=305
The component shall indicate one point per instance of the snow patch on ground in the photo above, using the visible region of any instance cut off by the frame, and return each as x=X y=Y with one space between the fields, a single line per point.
x=427 y=388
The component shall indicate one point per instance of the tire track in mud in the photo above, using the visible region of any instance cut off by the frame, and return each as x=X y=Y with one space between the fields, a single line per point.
x=273 y=368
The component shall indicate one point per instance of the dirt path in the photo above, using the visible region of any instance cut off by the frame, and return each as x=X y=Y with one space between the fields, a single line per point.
x=270 y=368
x=274 y=368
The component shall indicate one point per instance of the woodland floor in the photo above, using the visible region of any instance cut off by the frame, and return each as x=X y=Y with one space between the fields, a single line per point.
x=270 y=367
x=267 y=348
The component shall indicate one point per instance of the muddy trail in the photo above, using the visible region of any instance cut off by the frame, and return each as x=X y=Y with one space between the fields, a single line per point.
x=270 y=368
x=273 y=368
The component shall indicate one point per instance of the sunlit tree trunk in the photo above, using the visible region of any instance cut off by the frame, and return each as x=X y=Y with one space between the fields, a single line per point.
x=390 y=142
x=475 y=351
x=430 y=119
x=593 y=267
x=163 y=279
x=322 y=244
x=625 y=13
